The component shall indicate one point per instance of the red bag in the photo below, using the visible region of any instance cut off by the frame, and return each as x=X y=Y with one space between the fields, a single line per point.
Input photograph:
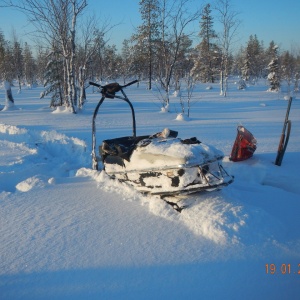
x=244 y=145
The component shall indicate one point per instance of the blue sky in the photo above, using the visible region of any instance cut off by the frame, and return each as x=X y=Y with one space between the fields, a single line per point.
x=268 y=19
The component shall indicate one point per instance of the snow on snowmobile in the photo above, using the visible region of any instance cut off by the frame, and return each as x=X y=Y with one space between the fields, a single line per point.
x=159 y=164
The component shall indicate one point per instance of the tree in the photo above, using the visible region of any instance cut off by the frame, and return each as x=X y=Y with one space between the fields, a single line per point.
x=126 y=66
x=18 y=60
x=41 y=59
x=111 y=62
x=29 y=66
x=174 y=19
x=54 y=78
x=148 y=33
x=139 y=59
x=253 y=59
x=205 y=63
x=190 y=80
x=230 y=23
x=6 y=70
x=56 y=21
x=288 y=68
x=92 y=39
x=273 y=67
x=183 y=64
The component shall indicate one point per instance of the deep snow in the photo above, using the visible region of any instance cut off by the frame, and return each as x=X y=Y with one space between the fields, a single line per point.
x=69 y=232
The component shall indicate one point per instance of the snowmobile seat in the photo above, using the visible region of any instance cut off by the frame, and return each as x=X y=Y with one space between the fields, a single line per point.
x=119 y=147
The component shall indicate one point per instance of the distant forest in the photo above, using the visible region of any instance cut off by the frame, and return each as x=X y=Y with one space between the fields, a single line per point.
x=160 y=51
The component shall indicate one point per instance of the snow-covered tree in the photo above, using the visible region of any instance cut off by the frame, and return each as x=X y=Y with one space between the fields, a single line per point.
x=246 y=68
x=54 y=79
x=274 y=70
x=253 y=62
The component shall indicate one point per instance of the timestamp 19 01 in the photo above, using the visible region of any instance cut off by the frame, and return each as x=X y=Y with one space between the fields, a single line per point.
x=282 y=269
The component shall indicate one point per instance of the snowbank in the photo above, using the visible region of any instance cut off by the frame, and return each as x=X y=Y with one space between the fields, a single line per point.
x=32 y=157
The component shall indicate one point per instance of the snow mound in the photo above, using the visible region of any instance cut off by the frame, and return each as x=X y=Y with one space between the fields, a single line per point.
x=182 y=117
x=209 y=217
x=11 y=130
x=32 y=157
x=215 y=219
x=61 y=110
x=30 y=183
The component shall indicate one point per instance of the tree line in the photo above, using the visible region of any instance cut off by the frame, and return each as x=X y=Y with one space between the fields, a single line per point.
x=74 y=49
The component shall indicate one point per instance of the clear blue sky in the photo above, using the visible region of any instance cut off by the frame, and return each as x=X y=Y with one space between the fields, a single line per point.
x=268 y=19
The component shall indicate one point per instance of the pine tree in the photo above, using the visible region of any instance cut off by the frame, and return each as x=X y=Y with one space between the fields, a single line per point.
x=126 y=60
x=18 y=62
x=148 y=32
x=253 y=59
x=2 y=52
x=6 y=70
x=205 y=64
x=246 y=67
x=54 y=79
x=288 y=68
x=273 y=67
x=29 y=66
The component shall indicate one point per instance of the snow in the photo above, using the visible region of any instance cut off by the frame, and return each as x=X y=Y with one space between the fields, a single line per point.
x=170 y=152
x=70 y=232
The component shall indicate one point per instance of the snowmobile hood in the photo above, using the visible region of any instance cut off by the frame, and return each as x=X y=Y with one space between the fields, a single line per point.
x=160 y=152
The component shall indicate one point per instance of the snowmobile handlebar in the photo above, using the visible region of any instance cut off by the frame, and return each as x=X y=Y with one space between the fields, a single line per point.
x=109 y=91
x=110 y=84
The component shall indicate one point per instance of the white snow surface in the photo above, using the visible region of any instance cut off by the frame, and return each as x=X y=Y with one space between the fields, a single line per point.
x=70 y=232
x=163 y=152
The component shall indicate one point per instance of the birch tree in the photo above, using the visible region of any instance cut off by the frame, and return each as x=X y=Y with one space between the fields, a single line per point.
x=92 y=40
x=228 y=18
x=56 y=21
x=174 y=20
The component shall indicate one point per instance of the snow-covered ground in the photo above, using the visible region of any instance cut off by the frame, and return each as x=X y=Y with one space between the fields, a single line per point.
x=68 y=232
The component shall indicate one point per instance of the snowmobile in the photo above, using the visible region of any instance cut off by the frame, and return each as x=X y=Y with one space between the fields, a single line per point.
x=159 y=164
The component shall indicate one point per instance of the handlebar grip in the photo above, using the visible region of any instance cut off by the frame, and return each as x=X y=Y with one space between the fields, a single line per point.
x=94 y=84
x=130 y=83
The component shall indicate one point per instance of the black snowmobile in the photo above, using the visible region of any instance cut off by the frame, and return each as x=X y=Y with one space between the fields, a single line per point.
x=160 y=164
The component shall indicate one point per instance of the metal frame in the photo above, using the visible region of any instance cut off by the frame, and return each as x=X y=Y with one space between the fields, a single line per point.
x=106 y=94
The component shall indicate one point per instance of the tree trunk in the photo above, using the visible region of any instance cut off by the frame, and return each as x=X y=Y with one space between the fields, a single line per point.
x=81 y=79
x=222 y=83
x=8 y=94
